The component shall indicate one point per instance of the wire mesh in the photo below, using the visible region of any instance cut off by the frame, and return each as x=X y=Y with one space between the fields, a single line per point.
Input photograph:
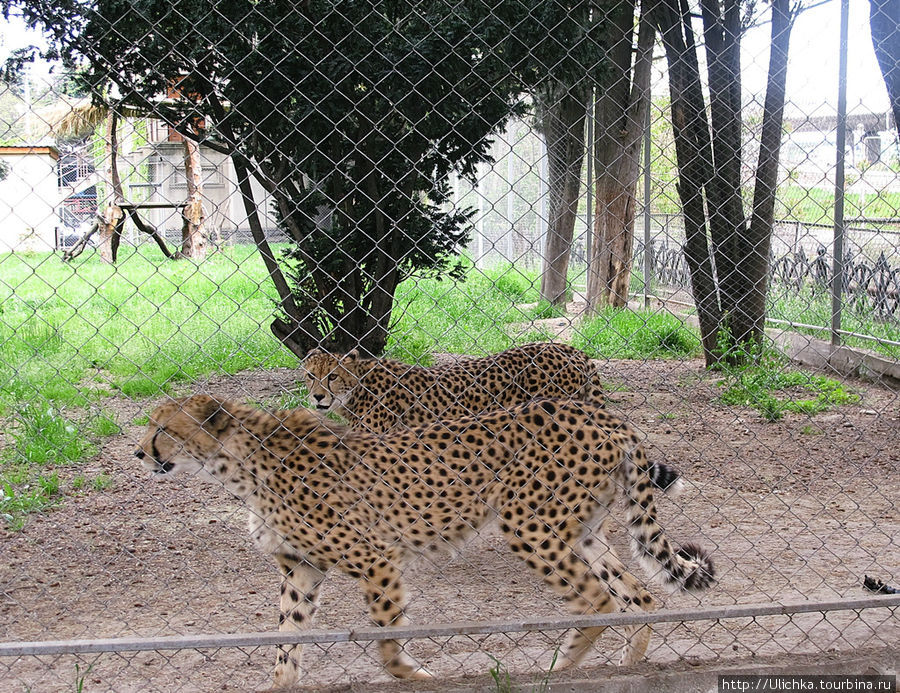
x=262 y=202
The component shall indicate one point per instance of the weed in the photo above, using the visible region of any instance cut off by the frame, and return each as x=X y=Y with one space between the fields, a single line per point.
x=757 y=377
x=80 y=677
x=503 y=682
x=41 y=439
x=105 y=425
x=101 y=482
x=810 y=431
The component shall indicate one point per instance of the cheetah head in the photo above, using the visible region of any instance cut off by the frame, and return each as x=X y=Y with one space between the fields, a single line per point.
x=182 y=434
x=330 y=378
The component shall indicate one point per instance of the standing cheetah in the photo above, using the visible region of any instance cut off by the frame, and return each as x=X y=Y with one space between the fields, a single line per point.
x=379 y=394
x=321 y=495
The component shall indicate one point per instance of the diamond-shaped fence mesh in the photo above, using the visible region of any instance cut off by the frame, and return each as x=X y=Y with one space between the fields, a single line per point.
x=449 y=299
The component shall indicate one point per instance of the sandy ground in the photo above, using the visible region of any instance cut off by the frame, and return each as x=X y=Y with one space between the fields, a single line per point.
x=794 y=510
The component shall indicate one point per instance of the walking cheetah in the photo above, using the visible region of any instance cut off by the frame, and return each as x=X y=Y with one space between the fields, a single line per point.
x=321 y=495
x=379 y=394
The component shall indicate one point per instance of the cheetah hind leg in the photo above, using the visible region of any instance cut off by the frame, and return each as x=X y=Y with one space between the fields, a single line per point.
x=386 y=596
x=559 y=563
x=625 y=587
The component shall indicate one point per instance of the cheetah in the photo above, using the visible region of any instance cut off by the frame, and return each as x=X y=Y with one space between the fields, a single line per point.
x=380 y=394
x=321 y=495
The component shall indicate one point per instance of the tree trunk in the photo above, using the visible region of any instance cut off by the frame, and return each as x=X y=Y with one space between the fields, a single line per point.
x=563 y=110
x=193 y=237
x=762 y=221
x=112 y=218
x=730 y=293
x=725 y=209
x=621 y=116
x=884 y=21
x=693 y=152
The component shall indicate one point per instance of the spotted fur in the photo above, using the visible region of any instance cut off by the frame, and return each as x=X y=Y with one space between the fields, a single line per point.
x=380 y=394
x=324 y=496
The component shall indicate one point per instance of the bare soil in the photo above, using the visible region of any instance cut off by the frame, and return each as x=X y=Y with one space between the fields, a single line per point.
x=800 y=509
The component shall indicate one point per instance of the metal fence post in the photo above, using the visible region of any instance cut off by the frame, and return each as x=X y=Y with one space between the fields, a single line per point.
x=647 y=265
x=837 y=277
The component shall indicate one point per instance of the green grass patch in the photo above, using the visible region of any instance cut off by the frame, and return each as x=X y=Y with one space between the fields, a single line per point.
x=767 y=383
x=812 y=306
x=145 y=323
x=626 y=334
x=41 y=440
x=460 y=317
x=545 y=310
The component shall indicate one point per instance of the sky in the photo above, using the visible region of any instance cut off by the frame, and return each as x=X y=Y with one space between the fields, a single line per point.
x=812 y=73
x=814 y=55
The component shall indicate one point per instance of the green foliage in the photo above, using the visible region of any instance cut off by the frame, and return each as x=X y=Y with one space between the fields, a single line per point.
x=356 y=117
x=40 y=438
x=138 y=328
x=763 y=380
x=503 y=681
x=104 y=425
x=626 y=334
x=813 y=307
x=460 y=317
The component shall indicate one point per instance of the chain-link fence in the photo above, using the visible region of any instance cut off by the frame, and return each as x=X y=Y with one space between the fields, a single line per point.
x=508 y=201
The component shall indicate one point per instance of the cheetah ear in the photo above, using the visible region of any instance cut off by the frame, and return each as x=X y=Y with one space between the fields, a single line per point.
x=315 y=351
x=210 y=412
x=352 y=355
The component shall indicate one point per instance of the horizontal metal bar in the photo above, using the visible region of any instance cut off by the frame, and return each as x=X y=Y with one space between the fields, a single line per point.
x=846 y=333
x=216 y=641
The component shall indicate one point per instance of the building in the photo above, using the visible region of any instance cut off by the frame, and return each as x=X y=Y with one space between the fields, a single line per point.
x=29 y=196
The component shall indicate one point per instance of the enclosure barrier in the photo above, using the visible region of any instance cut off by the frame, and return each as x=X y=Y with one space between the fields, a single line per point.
x=202 y=198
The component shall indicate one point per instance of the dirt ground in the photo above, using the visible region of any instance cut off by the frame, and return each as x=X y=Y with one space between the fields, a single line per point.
x=794 y=510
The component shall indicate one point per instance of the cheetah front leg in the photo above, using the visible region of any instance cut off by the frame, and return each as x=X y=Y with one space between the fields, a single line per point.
x=386 y=596
x=299 y=599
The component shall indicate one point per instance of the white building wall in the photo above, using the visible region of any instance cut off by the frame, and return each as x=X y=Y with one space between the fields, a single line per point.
x=28 y=199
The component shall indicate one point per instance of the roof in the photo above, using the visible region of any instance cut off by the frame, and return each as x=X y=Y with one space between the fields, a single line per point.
x=28 y=149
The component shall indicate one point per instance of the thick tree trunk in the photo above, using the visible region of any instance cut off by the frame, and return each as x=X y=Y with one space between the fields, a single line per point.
x=193 y=236
x=730 y=293
x=694 y=155
x=563 y=111
x=759 y=234
x=727 y=223
x=884 y=21
x=621 y=116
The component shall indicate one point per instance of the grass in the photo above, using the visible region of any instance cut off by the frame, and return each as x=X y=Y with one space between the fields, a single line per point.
x=467 y=317
x=136 y=327
x=813 y=307
x=815 y=205
x=626 y=334
x=72 y=335
x=767 y=383
x=545 y=310
x=503 y=681
x=41 y=441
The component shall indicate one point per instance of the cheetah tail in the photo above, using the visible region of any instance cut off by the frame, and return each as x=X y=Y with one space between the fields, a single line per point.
x=686 y=568
x=666 y=478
